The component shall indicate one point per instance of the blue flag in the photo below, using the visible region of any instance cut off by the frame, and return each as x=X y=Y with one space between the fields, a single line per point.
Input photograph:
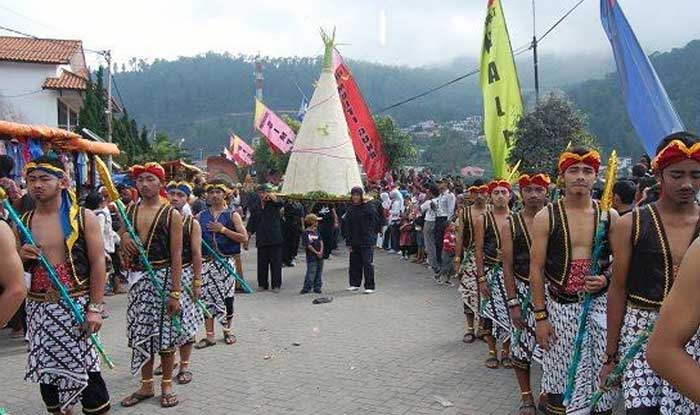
x=648 y=106
x=302 y=109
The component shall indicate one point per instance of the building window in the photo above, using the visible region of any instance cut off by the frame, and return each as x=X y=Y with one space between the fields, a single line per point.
x=63 y=110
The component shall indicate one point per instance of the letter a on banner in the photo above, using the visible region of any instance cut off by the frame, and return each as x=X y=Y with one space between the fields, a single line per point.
x=363 y=131
x=276 y=131
x=503 y=105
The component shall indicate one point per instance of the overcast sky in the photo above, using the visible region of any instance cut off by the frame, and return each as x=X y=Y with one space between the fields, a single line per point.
x=417 y=32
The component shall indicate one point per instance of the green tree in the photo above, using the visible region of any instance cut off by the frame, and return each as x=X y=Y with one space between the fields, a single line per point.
x=397 y=145
x=545 y=132
x=92 y=115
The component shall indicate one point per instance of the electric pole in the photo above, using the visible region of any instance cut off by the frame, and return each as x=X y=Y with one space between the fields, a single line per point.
x=258 y=79
x=534 y=53
x=108 y=112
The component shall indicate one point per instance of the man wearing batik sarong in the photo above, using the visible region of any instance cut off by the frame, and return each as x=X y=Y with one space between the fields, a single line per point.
x=464 y=248
x=223 y=230
x=562 y=242
x=489 y=273
x=192 y=318
x=61 y=358
x=648 y=247
x=150 y=317
x=516 y=271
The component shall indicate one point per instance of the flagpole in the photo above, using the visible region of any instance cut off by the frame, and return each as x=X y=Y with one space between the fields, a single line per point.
x=534 y=53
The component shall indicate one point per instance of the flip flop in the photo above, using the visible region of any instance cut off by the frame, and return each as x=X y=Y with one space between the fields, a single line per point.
x=229 y=338
x=204 y=343
x=184 y=377
x=527 y=409
x=506 y=362
x=135 y=399
x=168 y=400
x=469 y=338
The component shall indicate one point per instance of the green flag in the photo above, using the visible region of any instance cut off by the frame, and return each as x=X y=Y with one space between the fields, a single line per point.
x=503 y=105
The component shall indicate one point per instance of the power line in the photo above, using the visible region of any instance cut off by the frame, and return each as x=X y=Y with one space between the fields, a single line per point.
x=475 y=71
x=53 y=29
x=22 y=95
x=17 y=32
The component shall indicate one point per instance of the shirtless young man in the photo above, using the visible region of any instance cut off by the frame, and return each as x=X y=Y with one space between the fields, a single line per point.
x=516 y=242
x=150 y=327
x=478 y=194
x=489 y=273
x=12 y=289
x=192 y=318
x=562 y=242
x=61 y=359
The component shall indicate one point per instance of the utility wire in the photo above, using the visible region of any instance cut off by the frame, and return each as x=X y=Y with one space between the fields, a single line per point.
x=17 y=32
x=475 y=71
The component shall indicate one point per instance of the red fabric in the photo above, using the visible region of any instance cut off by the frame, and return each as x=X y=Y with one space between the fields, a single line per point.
x=568 y=159
x=363 y=131
x=675 y=152
x=499 y=183
x=153 y=168
x=578 y=270
x=448 y=242
x=42 y=283
x=483 y=189
x=539 y=179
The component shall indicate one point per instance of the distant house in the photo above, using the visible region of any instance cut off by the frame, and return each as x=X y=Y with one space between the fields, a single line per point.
x=42 y=81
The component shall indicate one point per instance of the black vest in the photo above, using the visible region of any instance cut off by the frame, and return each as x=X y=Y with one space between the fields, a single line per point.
x=492 y=241
x=467 y=229
x=187 y=224
x=556 y=267
x=521 y=247
x=651 y=272
x=77 y=257
x=157 y=243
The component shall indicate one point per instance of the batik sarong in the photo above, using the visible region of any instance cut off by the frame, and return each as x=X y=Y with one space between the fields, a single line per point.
x=494 y=307
x=192 y=318
x=217 y=286
x=468 y=287
x=524 y=345
x=59 y=352
x=564 y=319
x=149 y=327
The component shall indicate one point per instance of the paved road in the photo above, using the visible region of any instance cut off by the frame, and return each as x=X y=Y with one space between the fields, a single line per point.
x=398 y=351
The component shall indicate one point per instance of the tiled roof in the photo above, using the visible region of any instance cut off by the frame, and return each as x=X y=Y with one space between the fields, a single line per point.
x=67 y=80
x=26 y=49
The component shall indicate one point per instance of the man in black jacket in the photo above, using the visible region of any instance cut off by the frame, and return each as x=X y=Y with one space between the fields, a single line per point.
x=361 y=224
x=265 y=222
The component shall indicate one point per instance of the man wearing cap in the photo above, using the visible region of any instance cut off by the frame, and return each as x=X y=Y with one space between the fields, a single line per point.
x=150 y=324
x=266 y=224
x=645 y=270
x=223 y=231
x=516 y=270
x=362 y=226
x=562 y=243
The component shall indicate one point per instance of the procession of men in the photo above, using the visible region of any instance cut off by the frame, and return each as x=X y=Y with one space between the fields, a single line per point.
x=549 y=275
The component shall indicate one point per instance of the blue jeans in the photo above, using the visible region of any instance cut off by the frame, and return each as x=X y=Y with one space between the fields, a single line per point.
x=314 y=270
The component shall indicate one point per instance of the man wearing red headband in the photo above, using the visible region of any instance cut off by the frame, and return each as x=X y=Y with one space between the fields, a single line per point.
x=643 y=273
x=489 y=273
x=464 y=248
x=562 y=242
x=150 y=327
x=516 y=270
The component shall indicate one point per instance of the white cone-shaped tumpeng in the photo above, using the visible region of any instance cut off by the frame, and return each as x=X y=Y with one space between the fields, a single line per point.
x=323 y=158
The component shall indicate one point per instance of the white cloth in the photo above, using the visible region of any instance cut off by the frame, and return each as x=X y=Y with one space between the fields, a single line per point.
x=109 y=237
x=446 y=204
x=428 y=209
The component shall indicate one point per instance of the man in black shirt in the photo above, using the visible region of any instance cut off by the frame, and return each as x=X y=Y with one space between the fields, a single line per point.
x=265 y=222
x=293 y=216
x=361 y=236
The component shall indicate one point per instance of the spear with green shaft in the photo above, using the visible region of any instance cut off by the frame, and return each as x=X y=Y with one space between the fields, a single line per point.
x=229 y=269
x=106 y=179
x=78 y=314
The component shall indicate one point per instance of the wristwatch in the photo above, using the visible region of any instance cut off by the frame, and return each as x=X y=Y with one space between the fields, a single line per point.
x=96 y=308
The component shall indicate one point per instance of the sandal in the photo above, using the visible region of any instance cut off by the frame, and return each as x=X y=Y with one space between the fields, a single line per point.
x=136 y=397
x=527 y=409
x=184 y=377
x=168 y=400
x=506 y=362
x=469 y=338
x=204 y=343
x=229 y=338
x=492 y=361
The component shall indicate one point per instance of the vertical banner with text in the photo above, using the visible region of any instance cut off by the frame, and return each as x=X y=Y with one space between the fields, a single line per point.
x=273 y=128
x=241 y=152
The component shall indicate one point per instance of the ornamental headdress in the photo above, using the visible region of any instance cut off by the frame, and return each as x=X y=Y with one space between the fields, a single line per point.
x=568 y=159
x=150 y=167
x=69 y=209
x=499 y=183
x=217 y=186
x=539 y=179
x=483 y=189
x=184 y=187
x=676 y=151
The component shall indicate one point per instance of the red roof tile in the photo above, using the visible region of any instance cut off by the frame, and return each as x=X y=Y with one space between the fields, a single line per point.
x=25 y=49
x=67 y=80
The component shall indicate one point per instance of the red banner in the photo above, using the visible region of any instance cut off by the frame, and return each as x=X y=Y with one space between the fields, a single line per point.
x=364 y=134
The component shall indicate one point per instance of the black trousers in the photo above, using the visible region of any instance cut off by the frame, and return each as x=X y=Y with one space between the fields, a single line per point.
x=440 y=225
x=270 y=262
x=361 y=262
x=94 y=398
x=292 y=236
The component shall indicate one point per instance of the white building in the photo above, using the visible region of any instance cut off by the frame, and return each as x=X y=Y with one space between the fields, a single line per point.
x=42 y=81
